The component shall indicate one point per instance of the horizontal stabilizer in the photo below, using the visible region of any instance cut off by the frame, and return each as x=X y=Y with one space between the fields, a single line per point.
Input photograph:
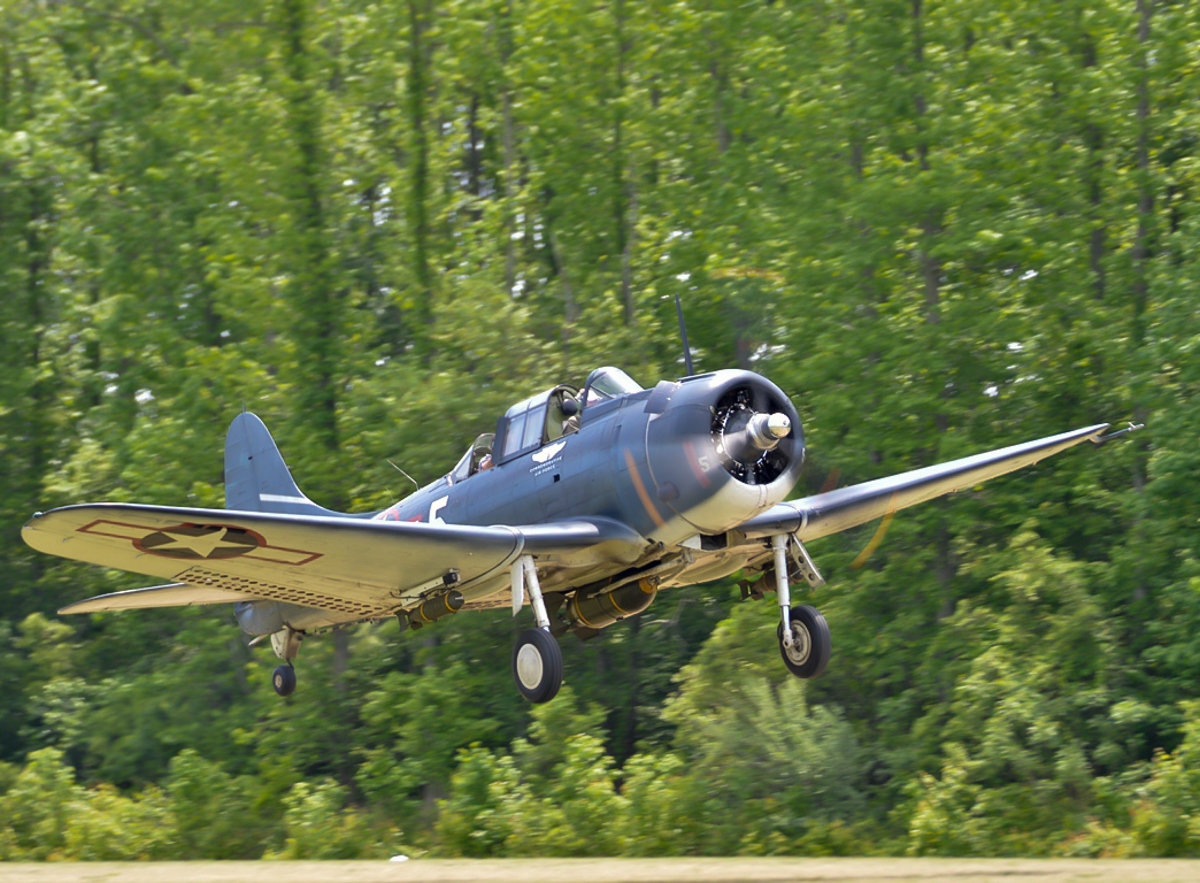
x=173 y=595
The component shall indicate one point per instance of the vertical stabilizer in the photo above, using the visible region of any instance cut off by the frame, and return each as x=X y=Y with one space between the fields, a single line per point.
x=256 y=478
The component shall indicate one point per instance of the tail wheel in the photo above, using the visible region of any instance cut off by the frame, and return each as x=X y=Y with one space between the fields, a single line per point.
x=811 y=645
x=537 y=665
x=283 y=679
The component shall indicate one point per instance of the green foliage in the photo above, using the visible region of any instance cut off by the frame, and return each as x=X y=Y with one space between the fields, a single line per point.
x=38 y=807
x=939 y=227
x=560 y=818
x=217 y=816
x=544 y=799
x=1030 y=717
x=109 y=826
x=319 y=825
x=661 y=798
x=776 y=766
x=48 y=816
x=474 y=821
x=410 y=747
x=1166 y=817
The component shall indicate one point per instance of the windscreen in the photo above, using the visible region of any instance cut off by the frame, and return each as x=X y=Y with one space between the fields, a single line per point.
x=609 y=383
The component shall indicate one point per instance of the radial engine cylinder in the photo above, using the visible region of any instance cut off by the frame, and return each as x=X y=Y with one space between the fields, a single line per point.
x=599 y=611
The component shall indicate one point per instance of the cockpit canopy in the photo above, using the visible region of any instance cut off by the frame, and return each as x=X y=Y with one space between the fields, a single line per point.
x=608 y=383
x=543 y=418
x=532 y=423
x=548 y=416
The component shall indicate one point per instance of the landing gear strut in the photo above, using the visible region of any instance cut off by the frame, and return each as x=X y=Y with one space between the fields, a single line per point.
x=537 y=662
x=804 y=641
x=286 y=644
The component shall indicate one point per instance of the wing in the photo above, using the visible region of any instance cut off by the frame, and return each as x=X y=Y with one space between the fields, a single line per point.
x=828 y=513
x=356 y=568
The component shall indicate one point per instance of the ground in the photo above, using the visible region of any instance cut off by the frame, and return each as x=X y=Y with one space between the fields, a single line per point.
x=721 y=870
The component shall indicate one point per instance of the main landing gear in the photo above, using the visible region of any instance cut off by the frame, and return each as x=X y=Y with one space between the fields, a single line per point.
x=807 y=653
x=537 y=665
x=804 y=641
x=537 y=662
x=286 y=644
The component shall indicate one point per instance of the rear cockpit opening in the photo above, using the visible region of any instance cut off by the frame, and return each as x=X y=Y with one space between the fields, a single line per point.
x=478 y=458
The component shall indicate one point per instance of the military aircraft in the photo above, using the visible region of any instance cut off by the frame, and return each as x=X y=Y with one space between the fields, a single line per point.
x=584 y=503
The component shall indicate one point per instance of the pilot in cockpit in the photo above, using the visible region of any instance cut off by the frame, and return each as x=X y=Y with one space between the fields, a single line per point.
x=571 y=410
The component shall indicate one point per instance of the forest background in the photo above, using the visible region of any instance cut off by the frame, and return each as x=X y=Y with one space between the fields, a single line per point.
x=942 y=226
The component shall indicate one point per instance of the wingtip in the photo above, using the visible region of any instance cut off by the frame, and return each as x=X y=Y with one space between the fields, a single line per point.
x=78 y=607
x=1130 y=427
x=1091 y=433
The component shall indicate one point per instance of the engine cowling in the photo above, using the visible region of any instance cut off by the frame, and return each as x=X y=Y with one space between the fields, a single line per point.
x=723 y=447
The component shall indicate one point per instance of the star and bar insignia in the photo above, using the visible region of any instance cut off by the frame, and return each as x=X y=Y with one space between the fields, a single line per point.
x=199 y=542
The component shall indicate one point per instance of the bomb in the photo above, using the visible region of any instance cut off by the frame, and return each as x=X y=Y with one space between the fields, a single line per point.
x=435 y=608
x=598 y=611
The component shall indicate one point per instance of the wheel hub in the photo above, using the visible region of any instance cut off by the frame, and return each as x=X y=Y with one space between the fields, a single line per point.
x=801 y=644
x=530 y=667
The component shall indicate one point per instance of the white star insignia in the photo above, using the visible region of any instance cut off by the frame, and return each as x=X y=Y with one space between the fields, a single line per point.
x=203 y=545
x=198 y=541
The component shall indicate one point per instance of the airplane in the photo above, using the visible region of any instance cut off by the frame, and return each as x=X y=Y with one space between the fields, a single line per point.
x=584 y=503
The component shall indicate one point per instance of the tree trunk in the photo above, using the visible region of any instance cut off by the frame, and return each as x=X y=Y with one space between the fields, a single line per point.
x=312 y=291
x=418 y=202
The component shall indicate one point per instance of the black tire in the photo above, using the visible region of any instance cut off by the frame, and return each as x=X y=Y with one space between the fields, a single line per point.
x=811 y=644
x=537 y=665
x=283 y=679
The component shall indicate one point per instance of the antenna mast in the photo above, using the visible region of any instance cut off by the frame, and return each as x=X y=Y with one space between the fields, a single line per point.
x=687 y=350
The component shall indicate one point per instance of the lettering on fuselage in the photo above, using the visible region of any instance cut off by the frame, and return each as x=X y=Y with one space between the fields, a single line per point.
x=547 y=458
x=548 y=453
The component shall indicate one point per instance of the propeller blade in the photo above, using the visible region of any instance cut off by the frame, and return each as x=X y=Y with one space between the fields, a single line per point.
x=761 y=401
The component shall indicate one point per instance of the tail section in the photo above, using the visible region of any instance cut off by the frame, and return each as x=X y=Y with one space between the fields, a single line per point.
x=256 y=478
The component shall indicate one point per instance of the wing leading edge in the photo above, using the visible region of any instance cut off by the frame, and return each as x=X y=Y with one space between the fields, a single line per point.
x=823 y=514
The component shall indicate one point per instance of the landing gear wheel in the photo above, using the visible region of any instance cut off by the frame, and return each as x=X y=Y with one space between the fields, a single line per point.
x=809 y=653
x=537 y=665
x=284 y=680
